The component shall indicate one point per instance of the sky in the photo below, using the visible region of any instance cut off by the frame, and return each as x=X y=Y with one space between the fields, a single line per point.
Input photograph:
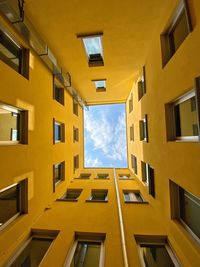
x=105 y=136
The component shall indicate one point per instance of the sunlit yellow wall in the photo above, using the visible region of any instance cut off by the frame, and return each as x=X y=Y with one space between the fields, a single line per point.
x=178 y=161
x=35 y=160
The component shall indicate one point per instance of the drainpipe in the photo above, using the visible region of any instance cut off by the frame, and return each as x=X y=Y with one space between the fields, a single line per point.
x=121 y=223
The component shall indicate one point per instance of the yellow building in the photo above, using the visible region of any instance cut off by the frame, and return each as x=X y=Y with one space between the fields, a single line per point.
x=53 y=211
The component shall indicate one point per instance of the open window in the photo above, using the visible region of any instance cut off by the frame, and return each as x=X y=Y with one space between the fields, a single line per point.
x=13 y=125
x=75 y=134
x=155 y=251
x=134 y=163
x=13 y=202
x=131 y=103
x=182 y=116
x=34 y=249
x=93 y=48
x=13 y=54
x=87 y=250
x=148 y=177
x=58 y=91
x=143 y=125
x=185 y=208
x=100 y=85
x=58 y=132
x=133 y=196
x=76 y=162
x=176 y=32
x=141 y=85
x=98 y=195
x=124 y=176
x=58 y=173
x=102 y=176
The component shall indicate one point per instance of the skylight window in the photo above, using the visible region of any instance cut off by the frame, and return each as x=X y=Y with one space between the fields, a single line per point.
x=93 y=48
x=100 y=85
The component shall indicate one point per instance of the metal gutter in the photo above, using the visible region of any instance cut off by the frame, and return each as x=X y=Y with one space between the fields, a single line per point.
x=121 y=223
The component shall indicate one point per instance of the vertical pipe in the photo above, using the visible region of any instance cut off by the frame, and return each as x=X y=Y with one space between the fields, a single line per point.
x=121 y=223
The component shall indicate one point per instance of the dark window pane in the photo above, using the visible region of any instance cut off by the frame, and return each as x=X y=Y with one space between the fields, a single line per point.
x=9 y=204
x=57 y=132
x=190 y=211
x=99 y=195
x=58 y=172
x=156 y=256
x=33 y=253
x=87 y=254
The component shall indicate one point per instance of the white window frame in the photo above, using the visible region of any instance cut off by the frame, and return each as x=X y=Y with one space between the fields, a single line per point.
x=132 y=196
x=159 y=242
x=73 y=249
x=124 y=176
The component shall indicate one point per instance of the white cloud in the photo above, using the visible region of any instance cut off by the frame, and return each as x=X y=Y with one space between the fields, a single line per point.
x=108 y=137
x=90 y=162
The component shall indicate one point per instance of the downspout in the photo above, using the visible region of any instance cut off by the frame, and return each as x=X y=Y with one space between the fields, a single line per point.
x=121 y=223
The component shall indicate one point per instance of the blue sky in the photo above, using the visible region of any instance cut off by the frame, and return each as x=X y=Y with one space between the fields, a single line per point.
x=105 y=136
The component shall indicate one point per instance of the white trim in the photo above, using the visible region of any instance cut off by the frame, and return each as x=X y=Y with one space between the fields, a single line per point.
x=192 y=138
x=9 y=221
x=8 y=187
x=184 y=97
x=176 y=15
x=9 y=143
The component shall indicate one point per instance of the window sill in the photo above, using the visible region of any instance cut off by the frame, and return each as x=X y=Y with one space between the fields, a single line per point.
x=97 y=201
x=136 y=202
x=67 y=200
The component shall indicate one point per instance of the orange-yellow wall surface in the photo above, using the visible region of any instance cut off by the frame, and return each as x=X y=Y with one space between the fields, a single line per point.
x=175 y=160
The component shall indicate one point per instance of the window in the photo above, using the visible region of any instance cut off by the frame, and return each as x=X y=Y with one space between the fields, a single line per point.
x=142 y=85
x=13 y=202
x=71 y=195
x=13 y=125
x=143 y=129
x=75 y=107
x=93 y=48
x=182 y=121
x=185 y=207
x=100 y=85
x=34 y=249
x=131 y=103
x=58 y=173
x=125 y=176
x=134 y=163
x=58 y=92
x=75 y=134
x=84 y=176
x=132 y=133
x=98 y=195
x=177 y=31
x=155 y=251
x=59 y=131
x=14 y=55
x=76 y=162
x=132 y=196
x=87 y=250
x=148 y=177
x=102 y=176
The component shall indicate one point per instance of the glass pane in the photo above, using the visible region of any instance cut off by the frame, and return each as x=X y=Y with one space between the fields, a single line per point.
x=138 y=197
x=127 y=197
x=190 y=211
x=156 y=256
x=99 y=195
x=33 y=253
x=93 y=45
x=10 y=53
x=87 y=254
x=100 y=84
x=57 y=132
x=186 y=118
x=9 y=125
x=9 y=204
x=58 y=172
x=72 y=195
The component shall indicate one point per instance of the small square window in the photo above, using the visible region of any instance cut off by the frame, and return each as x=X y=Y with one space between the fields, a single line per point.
x=182 y=116
x=76 y=162
x=132 y=196
x=98 y=195
x=102 y=176
x=13 y=125
x=34 y=249
x=75 y=134
x=58 y=173
x=100 y=85
x=14 y=55
x=143 y=129
x=185 y=207
x=132 y=132
x=125 y=176
x=134 y=163
x=71 y=195
x=75 y=107
x=131 y=103
x=142 y=85
x=59 y=131
x=176 y=32
x=154 y=250
x=93 y=48
x=13 y=202
x=84 y=176
x=58 y=91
